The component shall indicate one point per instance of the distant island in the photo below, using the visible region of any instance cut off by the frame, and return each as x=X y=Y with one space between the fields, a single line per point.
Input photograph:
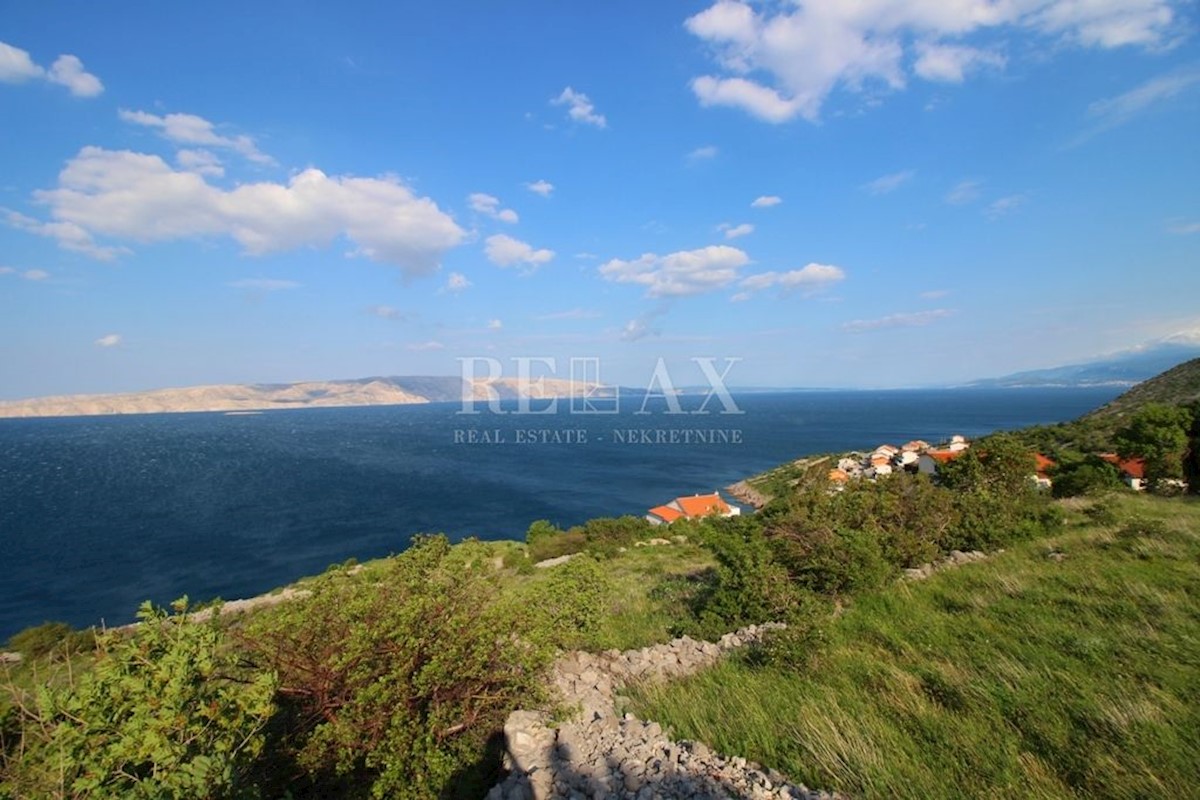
x=377 y=391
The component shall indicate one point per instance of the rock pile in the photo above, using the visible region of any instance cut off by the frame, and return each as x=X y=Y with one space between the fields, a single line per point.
x=955 y=559
x=598 y=754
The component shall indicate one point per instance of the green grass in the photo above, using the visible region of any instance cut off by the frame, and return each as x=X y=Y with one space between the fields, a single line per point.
x=1049 y=678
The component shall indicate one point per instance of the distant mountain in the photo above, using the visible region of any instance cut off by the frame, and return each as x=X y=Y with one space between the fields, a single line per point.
x=1121 y=369
x=308 y=394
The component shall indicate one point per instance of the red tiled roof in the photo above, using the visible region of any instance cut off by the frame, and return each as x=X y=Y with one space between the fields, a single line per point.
x=1043 y=464
x=702 y=505
x=666 y=513
x=1133 y=467
x=839 y=475
x=944 y=456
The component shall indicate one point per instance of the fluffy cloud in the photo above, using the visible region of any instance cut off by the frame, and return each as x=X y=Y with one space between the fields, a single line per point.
x=490 y=207
x=705 y=153
x=505 y=251
x=766 y=201
x=1183 y=228
x=808 y=279
x=950 y=63
x=580 y=108
x=139 y=197
x=456 y=282
x=544 y=188
x=189 y=129
x=782 y=61
x=735 y=231
x=16 y=66
x=201 y=162
x=687 y=272
x=111 y=340
x=643 y=325
x=495 y=324
x=890 y=183
x=915 y=319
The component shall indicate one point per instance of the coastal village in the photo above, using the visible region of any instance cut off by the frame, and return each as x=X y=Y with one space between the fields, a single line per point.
x=917 y=456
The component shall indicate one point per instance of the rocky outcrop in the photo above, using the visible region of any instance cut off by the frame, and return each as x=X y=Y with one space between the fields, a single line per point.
x=955 y=559
x=598 y=753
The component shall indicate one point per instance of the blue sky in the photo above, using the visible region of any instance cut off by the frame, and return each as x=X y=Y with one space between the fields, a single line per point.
x=881 y=193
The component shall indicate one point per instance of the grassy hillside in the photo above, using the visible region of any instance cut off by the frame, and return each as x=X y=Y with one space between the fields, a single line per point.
x=1063 y=667
x=1176 y=387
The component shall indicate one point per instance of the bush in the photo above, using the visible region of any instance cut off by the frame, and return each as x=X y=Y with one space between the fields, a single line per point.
x=831 y=561
x=165 y=712
x=1090 y=477
x=396 y=684
x=567 y=606
x=545 y=541
x=53 y=639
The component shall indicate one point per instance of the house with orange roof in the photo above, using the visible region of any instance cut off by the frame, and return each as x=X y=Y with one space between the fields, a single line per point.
x=1133 y=470
x=693 y=507
x=1042 y=467
x=838 y=478
x=930 y=460
x=915 y=446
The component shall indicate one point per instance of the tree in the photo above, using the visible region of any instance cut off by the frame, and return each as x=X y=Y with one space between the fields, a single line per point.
x=1159 y=435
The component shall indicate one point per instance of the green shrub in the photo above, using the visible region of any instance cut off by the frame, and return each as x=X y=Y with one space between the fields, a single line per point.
x=567 y=606
x=165 y=712
x=1090 y=477
x=831 y=561
x=53 y=639
x=544 y=541
x=396 y=685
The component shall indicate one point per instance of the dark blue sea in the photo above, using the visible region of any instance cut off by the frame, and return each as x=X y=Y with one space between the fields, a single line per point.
x=100 y=513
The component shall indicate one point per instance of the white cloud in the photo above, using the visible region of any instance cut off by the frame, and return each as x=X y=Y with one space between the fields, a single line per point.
x=140 y=197
x=890 y=183
x=264 y=284
x=1004 y=205
x=495 y=324
x=949 y=63
x=915 y=319
x=808 y=279
x=68 y=71
x=705 y=153
x=189 y=129
x=1113 y=111
x=1182 y=228
x=16 y=66
x=201 y=162
x=426 y=346
x=580 y=108
x=574 y=313
x=505 y=251
x=935 y=294
x=110 y=340
x=963 y=192
x=735 y=231
x=766 y=201
x=490 y=207
x=642 y=326
x=542 y=187
x=782 y=61
x=29 y=274
x=679 y=274
x=387 y=312
x=456 y=282
x=69 y=236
